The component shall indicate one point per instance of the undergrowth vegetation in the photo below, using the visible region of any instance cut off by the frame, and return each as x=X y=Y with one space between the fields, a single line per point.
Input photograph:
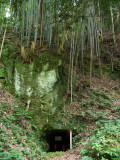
x=63 y=59
x=96 y=125
x=55 y=154
x=93 y=118
x=18 y=141
x=105 y=142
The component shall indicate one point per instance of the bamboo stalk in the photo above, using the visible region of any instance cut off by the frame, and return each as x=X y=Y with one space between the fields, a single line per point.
x=69 y=67
x=41 y=23
x=3 y=41
x=30 y=22
x=72 y=61
x=37 y=19
x=113 y=30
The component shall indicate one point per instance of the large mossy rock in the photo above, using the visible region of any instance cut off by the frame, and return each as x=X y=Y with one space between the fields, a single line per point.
x=40 y=84
x=37 y=79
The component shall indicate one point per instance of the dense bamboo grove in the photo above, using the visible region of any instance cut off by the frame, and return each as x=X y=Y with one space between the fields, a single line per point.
x=2 y=16
x=53 y=23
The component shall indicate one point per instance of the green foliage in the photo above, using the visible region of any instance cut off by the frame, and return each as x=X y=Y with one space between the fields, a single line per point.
x=54 y=154
x=16 y=137
x=2 y=73
x=105 y=142
x=8 y=50
x=12 y=154
x=101 y=99
x=113 y=74
x=87 y=158
x=98 y=99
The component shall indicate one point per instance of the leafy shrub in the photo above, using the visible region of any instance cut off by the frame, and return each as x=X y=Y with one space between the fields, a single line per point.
x=12 y=155
x=17 y=140
x=105 y=144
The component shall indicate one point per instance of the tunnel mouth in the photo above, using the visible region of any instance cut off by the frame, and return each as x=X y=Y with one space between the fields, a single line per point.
x=58 y=140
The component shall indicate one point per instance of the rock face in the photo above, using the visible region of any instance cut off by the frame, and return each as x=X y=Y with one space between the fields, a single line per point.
x=34 y=83
x=38 y=84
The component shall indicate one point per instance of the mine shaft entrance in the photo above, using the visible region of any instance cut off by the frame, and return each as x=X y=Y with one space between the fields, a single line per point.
x=58 y=140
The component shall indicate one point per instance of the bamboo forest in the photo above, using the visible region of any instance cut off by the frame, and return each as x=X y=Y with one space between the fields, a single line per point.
x=59 y=80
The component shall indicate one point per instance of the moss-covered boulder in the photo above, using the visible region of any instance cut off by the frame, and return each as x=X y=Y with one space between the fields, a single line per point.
x=39 y=84
x=37 y=79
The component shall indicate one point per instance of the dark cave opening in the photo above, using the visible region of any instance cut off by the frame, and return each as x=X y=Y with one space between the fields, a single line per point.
x=58 y=140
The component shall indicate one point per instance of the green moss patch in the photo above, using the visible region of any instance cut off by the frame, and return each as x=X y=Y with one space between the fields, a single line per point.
x=55 y=154
x=47 y=59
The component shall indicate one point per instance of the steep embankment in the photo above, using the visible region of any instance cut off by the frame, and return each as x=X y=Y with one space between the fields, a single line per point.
x=17 y=139
x=94 y=117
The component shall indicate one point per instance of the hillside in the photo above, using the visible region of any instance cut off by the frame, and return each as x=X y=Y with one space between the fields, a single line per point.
x=60 y=75
x=95 y=117
x=96 y=109
x=17 y=139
